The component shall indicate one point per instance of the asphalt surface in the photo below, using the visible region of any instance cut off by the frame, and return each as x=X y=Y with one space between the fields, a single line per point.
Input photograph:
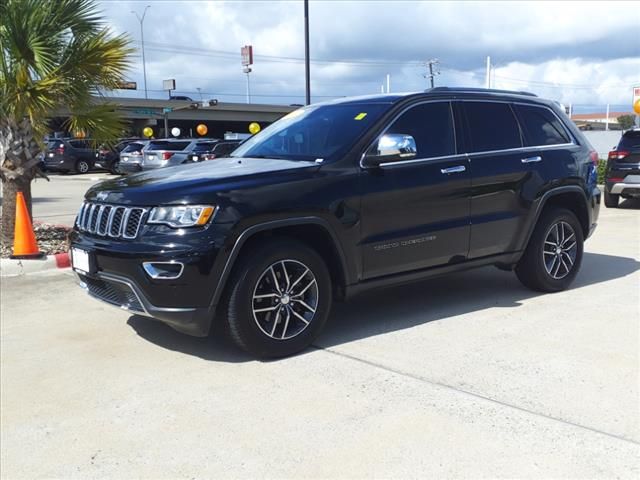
x=469 y=375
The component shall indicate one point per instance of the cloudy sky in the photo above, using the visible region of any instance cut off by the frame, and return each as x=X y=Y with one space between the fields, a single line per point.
x=586 y=53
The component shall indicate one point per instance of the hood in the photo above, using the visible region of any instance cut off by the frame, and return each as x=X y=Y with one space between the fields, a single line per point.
x=194 y=182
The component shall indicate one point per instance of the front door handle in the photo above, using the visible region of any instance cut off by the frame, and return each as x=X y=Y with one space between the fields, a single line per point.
x=458 y=169
x=531 y=159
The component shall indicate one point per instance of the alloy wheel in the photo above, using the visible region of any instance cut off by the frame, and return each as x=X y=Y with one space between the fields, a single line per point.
x=285 y=299
x=83 y=167
x=560 y=250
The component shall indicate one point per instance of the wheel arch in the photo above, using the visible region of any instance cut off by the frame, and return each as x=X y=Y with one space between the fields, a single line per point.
x=313 y=231
x=572 y=198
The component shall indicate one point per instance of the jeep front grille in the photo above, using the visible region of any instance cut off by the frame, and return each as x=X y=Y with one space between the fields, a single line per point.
x=110 y=220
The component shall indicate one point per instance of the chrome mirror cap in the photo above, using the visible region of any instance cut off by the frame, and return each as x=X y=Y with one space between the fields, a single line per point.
x=391 y=147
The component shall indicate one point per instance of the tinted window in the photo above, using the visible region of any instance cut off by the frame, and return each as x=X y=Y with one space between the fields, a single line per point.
x=431 y=126
x=170 y=146
x=630 y=139
x=203 y=147
x=317 y=131
x=541 y=126
x=225 y=148
x=79 y=144
x=133 y=147
x=492 y=126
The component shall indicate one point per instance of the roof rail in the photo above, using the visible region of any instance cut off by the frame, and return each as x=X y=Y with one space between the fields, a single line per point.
x=478 y=90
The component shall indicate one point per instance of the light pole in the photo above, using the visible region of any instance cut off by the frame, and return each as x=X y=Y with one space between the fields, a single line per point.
x=307 y=75
x=144 y=63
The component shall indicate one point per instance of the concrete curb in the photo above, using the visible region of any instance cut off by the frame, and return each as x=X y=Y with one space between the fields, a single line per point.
x=13 y=268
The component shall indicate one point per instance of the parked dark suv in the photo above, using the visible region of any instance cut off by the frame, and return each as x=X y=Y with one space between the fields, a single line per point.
x=69 y=155
x=340 y=197
x=623 y=169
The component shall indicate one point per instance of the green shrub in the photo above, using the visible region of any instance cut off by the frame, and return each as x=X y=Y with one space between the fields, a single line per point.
x=602 y=169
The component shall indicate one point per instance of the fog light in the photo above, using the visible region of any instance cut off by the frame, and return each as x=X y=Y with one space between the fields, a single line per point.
x=163 y=270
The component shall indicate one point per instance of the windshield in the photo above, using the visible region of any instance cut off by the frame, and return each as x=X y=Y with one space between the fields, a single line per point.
x=316 y=132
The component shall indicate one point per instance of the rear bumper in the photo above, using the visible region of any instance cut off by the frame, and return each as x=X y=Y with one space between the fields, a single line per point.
x=129 y=167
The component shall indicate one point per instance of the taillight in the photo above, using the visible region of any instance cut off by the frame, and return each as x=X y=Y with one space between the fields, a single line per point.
x=209 y=156
x=103 y=151
x=594 y=157
x=618 y=154
x=60 y=149
x=615 y=179
x=167 y=155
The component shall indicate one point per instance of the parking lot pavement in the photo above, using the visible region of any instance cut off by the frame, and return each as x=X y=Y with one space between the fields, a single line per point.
x=58 y=200
x=469 y=375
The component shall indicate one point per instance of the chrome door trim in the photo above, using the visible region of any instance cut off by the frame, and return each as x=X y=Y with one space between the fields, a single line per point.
x=537 y=158
x=456 y=169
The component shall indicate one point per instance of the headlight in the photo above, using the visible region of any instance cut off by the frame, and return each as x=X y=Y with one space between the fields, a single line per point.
x=182 y=216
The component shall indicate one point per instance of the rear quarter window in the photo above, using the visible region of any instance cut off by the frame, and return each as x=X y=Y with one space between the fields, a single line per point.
x=541 y=126
x=491 y=126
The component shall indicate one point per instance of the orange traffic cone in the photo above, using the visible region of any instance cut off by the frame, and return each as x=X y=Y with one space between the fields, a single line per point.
x=24 y=240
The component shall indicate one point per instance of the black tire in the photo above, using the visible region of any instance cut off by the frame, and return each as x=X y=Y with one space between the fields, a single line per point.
x=82 y=166
x=532 y=267
x=611 y=200
x=244 y=326
x=114 y=170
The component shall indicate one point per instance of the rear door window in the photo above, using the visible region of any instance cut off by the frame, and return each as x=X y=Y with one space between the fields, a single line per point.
x=431 y=126
x=169 y=146
x=491 y=126
x=540 y=126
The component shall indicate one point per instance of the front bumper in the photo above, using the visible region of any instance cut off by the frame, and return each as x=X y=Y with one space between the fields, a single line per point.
x=123 y=293
x=118 y=276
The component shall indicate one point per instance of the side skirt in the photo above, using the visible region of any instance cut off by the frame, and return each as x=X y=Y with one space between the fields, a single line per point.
x=501 y=260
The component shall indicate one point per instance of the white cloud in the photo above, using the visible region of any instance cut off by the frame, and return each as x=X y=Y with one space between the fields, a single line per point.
x=532 y=43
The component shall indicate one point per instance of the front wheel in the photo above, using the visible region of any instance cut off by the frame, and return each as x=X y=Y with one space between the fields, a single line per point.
x=554 y=253
x=279 y=298
x=611 y=200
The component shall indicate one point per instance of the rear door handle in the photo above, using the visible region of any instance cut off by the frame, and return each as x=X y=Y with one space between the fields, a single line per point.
x=458 y=169
x=531 y=159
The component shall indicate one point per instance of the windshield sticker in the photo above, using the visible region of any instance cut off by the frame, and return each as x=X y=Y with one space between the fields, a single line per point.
x=360 y=116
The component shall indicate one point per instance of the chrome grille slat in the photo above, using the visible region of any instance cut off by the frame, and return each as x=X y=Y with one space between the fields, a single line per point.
x=114 y=221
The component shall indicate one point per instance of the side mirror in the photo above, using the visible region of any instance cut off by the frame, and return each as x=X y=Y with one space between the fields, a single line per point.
x=391 y=147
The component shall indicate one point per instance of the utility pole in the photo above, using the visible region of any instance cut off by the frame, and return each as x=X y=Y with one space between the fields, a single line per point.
x=307 y=74
x=388 y=83
x=144 y=63
x=488 y=75
x=431 y=75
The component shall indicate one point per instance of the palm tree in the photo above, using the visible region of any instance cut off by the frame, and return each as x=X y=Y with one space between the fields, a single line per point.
x=55 y=54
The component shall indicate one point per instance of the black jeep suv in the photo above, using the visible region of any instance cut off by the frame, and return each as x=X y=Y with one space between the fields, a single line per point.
x=622 y=177
x=339 y=197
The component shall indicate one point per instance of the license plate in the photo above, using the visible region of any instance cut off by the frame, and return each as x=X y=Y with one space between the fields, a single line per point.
x=151 y=157
x=194 y=158
x=80 y=260
x=51 y=155
x=125 y=159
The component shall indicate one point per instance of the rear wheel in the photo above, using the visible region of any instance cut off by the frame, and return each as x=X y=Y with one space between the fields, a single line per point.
x=82 y=166
x=554 y=254
x=279 y=299
x=611 y=200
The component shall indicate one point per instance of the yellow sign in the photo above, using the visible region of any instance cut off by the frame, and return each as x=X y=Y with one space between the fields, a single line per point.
x=636 y=107
x=147 y=132
x=360 y=116
x=254 y=127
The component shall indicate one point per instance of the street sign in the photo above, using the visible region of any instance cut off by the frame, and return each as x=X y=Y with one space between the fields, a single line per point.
x=167 y=110
x=246 y=53
x=127 y=86
x=143 y=111
x=169 y=84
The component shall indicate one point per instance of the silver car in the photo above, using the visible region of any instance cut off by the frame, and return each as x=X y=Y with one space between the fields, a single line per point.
x=167 y=152
x=131 y=157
